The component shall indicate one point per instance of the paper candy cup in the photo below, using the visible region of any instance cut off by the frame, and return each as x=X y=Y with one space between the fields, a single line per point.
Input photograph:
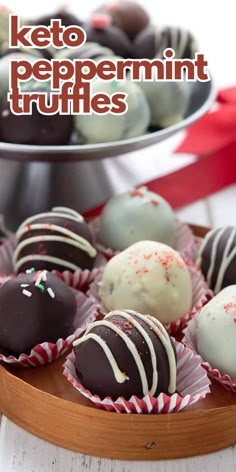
x=192 y=385
x=190 y=340
x=185 y=242
x=79 y=280
x=47 y=352
x=201 y=295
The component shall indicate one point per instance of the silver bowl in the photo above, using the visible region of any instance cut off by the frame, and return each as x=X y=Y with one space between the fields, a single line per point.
x=35 y=178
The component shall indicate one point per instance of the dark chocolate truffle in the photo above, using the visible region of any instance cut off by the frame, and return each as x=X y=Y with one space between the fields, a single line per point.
x=152 y=41
x=34 y=308
x=99 y=30
x=128 y=16
x=126 y=354
x=67 y=19
x=56 y=240
x=217 y=258
x=35 y=128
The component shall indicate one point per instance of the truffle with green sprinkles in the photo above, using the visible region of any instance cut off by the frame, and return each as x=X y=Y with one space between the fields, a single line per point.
x=35 y=307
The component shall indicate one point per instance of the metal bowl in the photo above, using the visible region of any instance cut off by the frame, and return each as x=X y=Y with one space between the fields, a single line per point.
x=203 y=95
x=35 y=178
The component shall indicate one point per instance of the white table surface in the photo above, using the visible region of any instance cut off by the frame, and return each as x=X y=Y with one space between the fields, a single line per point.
x=214 y=24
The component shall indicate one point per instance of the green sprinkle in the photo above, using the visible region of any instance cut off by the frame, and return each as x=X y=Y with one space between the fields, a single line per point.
x=41 y=287
x=115 y=83
x=30 y=271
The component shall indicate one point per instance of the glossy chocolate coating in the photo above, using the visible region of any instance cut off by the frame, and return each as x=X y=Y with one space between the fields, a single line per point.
x=67 y=19
x=62 y=250
x=217 y=258
x=26 y=321
x=110 y=37
x=35 y=128
x=131 y=17
x=94 y=369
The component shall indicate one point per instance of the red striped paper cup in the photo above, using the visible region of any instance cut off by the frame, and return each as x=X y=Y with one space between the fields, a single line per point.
x=79 y=280
x=192 y=385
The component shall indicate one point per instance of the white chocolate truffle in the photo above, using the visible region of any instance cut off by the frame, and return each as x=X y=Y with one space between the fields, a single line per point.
x=92 y=129
x=150 y=278
x=216 y=332
x=135 y=216
x=168 y=101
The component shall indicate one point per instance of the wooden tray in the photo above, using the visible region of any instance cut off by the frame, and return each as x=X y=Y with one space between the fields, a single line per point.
x=42 y=401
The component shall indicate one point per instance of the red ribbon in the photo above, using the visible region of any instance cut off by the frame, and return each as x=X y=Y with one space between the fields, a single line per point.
x=213 y=140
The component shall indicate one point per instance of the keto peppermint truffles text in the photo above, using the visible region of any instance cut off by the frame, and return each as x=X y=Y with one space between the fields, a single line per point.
x=70 y=82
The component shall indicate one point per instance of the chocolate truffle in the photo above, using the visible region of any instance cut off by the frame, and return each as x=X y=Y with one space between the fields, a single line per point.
x=35 y=308
x=128 y=16
x=168 y=101
x=96 y=128
x=135 y=216
x=217 y=258
x=153 y=40
x=35 y=128
x=67 y=18
x=99 y=30
x=216 y=332
x=150 y=278
x=57 y=240
x=126 y=354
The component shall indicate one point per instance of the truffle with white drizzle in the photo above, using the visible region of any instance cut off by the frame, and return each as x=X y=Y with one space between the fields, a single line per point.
x=153 y=40
x=56 y=240
x=135 y=216
x=126 y=354
x=217 y=258
x=35 y=307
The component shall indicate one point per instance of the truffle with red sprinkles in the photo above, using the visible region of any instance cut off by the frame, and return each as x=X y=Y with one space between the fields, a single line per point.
x=216 y=332
x=134 y=356
x=135 y=216
x=35 y=307
x=150 y=278
x=56 y=240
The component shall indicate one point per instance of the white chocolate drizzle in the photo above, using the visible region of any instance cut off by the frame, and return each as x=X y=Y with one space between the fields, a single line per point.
x=157 y=328
x=65 y=236
x=226 y=257
x=50 y=259
x=177 y=38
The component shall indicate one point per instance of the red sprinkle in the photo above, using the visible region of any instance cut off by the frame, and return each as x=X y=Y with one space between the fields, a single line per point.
x=155 y=202
x=230 y=306
x=101 y=21
x=136 y=193
x=36 y=275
